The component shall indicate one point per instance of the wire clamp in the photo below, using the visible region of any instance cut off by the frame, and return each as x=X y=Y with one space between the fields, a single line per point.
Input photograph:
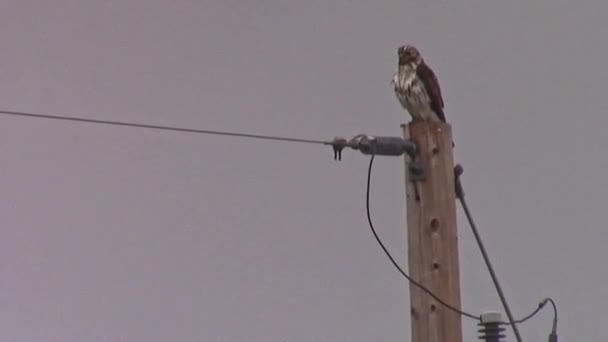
x=338 y=144
x=458 y=170
x=373 y=145
x=416 y=171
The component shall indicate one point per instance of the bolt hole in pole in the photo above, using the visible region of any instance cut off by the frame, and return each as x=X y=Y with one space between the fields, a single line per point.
x=434 y=225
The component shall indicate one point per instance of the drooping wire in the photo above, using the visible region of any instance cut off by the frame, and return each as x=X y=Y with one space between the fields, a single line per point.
x=159 y=127
x=553 y=334
x=554 y=312
x=460 y=195
x=530 y=315
x=309 y=141
x=540 y=306
x=417 y=284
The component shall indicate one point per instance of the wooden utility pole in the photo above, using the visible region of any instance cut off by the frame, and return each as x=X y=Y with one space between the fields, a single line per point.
x=432 y=235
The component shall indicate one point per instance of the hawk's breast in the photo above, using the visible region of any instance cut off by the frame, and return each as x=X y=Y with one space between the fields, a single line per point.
x=412 y=94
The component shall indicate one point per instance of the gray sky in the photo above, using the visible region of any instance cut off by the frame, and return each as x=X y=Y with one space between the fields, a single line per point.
x=121 y=234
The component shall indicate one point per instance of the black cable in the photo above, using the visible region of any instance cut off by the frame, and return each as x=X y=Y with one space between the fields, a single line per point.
x=166 y=128
x=310 y=141
x=554 y=313
x=540 y=306
x=460 y=196
x=417 y=284
x=553 y=334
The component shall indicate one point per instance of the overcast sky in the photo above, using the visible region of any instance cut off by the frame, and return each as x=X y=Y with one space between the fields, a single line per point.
x=124 y=234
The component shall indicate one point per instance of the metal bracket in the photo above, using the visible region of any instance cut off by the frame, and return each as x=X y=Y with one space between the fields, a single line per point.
x=386 y=146
x=373 y=145
x=416 y=171
x=338 y=144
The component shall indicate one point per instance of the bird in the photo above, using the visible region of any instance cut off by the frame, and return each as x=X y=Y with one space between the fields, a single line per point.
x=417 y=87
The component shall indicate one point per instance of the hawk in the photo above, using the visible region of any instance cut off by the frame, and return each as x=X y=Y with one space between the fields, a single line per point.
x=416 y=86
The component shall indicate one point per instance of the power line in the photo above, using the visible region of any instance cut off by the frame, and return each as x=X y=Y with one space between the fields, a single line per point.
x=553 y=334
x=460 y=195
x=529 y=316
x=554 y=312
x=540 y=306
x=417 y=284
x=165 y=128
x=338 y=145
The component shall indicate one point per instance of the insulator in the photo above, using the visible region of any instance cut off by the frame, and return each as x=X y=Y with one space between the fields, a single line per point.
x=491 y=327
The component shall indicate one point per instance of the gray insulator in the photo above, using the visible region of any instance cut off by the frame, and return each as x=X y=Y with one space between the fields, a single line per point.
x=491 y=327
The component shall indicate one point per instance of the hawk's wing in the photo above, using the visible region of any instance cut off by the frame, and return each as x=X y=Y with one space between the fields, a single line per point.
x=431 y=84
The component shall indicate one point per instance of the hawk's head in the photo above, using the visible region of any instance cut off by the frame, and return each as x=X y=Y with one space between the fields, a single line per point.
x=408 y=54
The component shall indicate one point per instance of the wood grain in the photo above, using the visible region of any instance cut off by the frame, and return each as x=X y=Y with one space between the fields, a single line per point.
x=432 y=236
